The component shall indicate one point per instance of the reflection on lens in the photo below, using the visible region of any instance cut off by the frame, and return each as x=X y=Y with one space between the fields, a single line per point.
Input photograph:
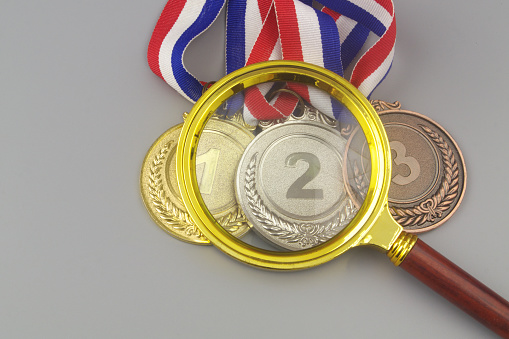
x=297 y=182
x=219 y=151
x=357 y=167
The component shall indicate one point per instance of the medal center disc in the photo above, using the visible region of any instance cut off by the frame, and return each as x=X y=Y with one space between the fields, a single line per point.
x=217 y=156
x=409 y=175
x=216 y=160
x=300 y=175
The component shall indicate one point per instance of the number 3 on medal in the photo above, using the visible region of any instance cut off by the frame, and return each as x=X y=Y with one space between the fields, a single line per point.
x=210 y=159
x=411 y=162
x=297 y=190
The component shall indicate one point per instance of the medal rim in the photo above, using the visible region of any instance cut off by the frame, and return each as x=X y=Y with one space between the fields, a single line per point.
x=360 y=231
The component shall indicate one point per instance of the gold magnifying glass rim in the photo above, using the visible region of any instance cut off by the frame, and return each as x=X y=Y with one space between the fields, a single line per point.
x=356 y=233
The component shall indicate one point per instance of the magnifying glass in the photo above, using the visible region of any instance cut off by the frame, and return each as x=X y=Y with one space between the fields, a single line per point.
x=291 y=186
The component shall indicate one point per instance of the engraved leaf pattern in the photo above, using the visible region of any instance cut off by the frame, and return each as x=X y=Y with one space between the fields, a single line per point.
x=171 y=215
x=360 y=179
x=306 y=234
x=441 y=201
x=174 y=217
x=380 y=105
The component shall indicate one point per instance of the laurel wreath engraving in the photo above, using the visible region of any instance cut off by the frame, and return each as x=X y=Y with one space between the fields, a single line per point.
x=168 y=213
x=174 y=217
x=306 y=234
x=441 y=201
x=360 y=179
x=380 y=105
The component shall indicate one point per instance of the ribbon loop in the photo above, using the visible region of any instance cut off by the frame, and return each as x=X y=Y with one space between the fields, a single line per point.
x=261 y=30
x=180 y=22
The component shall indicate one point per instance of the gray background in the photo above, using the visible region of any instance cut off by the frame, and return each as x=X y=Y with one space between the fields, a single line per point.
x=79 y=255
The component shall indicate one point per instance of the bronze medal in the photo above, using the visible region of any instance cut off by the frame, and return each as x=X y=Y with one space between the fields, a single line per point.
x=428 y=171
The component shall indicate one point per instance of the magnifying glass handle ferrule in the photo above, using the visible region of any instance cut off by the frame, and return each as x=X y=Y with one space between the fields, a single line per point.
x=401 y=247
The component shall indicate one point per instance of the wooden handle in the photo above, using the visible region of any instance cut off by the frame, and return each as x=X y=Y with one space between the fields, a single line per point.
x=458 y=287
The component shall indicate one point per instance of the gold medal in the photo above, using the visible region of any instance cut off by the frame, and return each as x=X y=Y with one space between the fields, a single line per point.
x=219 y=151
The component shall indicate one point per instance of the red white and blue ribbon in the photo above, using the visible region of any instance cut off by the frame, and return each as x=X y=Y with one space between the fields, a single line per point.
x=245 y=19
x=352 y=36
x=259 y=30
x=180 y=22
x=305 y=34
x=378 y=16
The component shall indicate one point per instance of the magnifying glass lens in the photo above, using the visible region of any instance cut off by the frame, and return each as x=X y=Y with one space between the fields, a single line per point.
x=286 y=160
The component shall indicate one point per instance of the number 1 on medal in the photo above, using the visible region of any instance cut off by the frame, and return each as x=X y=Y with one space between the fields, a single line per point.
x=210 y=159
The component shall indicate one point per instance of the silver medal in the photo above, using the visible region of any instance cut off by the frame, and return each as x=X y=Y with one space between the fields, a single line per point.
x=290 y=182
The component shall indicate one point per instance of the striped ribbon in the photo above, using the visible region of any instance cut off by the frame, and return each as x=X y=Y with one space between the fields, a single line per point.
x=377 y=16
x=180 y=22
x=260 y=30
x=304 y=34
x=245 y=19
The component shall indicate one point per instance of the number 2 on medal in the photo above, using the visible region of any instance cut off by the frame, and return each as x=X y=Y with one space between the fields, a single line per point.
x=297 y=190
x=210 y=159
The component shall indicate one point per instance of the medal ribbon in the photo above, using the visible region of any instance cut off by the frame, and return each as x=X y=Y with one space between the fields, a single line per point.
x=377 y=16
x=281 y=38
x=180 y=22
x=278 y=29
